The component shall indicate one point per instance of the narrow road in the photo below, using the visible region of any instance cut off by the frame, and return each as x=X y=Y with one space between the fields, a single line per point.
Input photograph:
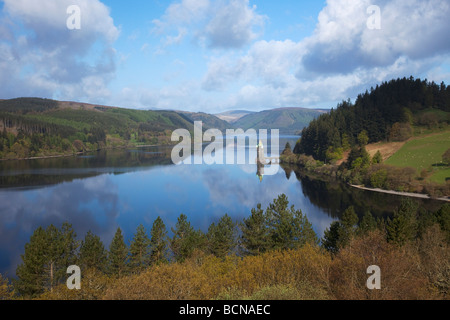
x=405 y=194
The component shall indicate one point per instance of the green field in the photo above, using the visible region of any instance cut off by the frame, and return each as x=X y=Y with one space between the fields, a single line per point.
x=425 y=153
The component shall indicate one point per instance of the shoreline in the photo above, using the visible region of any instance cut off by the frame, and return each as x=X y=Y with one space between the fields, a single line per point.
x=84 y=152
x=398 y=193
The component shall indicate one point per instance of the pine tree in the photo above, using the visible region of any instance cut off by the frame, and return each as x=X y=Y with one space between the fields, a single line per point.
x=255 y=235
x=222 y=237
x=368 y=223
x=118 y=255
x=185 y=239
x=330 y=239
x=93 y=254
x=304 y=232
x=46 y=259
x=288 y=228
x=158 y=242
x=403 y=225
x=377 y=158
x=140 y=250
x=70 y=245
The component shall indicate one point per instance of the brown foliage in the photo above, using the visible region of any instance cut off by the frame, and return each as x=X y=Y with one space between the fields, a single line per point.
x=5 y=289
x=207 y=277
x=418 y=270
x=434 y=253
x=93 y=287
x=401 y=274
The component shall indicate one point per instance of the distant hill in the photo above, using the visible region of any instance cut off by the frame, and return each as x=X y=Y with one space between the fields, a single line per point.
x=287 y=120
x=209 y=121
x=233 y=116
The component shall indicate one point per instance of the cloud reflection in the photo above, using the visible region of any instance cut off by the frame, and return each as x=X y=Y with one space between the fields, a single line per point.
x=22 y=212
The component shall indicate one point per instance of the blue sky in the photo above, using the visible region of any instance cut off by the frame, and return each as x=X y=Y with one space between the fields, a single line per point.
x=218 y=55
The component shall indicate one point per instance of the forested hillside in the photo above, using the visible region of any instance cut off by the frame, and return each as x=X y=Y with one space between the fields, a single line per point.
x=287 y=120
x=386 y=113
x=33 y=127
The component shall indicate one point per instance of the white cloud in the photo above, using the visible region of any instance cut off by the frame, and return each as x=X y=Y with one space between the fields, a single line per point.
x=342 y=58
x=342 y=41
x=52 y=61
x=232 y=25
x=217 y=24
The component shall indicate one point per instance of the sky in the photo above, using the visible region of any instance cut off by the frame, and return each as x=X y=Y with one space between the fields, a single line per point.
x=218 y=55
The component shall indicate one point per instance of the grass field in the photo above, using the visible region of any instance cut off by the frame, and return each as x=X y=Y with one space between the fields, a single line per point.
x=425 y=152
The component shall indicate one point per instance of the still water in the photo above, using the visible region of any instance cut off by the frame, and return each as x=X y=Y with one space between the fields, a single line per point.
x=125 y=188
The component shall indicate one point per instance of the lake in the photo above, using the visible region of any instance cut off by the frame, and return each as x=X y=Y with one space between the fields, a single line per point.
x=125 y=188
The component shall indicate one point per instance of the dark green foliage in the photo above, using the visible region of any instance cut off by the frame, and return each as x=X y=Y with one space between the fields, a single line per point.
x=255 y=236
x=331 y=236
x=349 y=224
x=185 y=239
x=27 y=105
x=46 y=259
x=394 y=102
x=403 y=225
x=368 y=223
x=377 y=158
x=288 y=228
x=140 y=250
x=341 y=232
x=118 y=255
x=158 y=242
x=93 y=254
x=222 y=237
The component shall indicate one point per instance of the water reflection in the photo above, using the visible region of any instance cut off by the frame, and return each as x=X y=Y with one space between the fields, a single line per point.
x=125 y=188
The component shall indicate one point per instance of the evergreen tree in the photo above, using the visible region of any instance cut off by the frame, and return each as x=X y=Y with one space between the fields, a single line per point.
x=158 y=242
x=93 y=254
x=331 y=236
x=185 y=239
x=118 y=255
x=363 y=138
x=288 y=228
x=46 y=259
x=403 y=226
x=222 y=237
x=255 y=235
x=30 y=273
x=349 y=222
x=287 y=150
x=368 y=223
x=377 y=158
x=140 y=250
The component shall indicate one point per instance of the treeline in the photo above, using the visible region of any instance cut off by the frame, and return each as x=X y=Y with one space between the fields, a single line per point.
x=27 y=105
x=386 y=113
x=33 y=127
x=273 y=254
x=41 y=141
